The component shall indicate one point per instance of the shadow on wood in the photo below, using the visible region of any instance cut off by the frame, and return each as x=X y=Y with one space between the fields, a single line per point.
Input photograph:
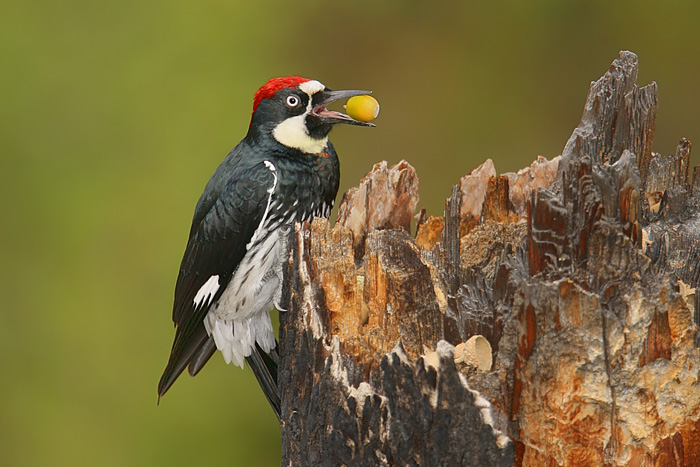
x=580 y=272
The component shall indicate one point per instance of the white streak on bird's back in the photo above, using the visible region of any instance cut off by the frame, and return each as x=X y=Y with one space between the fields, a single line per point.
x=262 y=227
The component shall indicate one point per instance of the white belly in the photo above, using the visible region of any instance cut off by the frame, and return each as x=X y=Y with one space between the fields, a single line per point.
x=240 y=317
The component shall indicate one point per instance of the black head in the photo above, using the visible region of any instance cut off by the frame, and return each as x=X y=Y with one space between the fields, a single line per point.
x=292 y=110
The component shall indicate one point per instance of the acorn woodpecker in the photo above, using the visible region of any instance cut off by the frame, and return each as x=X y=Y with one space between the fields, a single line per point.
x=285 y=170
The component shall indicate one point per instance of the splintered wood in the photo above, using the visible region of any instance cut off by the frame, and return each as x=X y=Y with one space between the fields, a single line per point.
x=548 y=318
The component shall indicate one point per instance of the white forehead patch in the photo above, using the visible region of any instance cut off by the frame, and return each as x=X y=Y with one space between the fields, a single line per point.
x=311 y=87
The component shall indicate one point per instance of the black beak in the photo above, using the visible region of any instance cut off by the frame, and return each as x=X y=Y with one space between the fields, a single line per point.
x=323 y=98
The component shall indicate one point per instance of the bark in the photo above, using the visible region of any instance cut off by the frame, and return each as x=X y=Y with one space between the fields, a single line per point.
x=579 y=273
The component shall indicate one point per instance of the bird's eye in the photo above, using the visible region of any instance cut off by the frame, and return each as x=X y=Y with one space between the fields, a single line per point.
x=292 y=101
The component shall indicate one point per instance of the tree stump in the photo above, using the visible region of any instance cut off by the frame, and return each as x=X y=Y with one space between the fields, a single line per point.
x=580 y=272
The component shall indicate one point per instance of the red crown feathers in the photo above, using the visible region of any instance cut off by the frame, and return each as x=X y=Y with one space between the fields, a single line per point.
x=271 y=88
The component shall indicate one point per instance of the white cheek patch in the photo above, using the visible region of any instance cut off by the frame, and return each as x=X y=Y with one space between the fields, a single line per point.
x=294 y=134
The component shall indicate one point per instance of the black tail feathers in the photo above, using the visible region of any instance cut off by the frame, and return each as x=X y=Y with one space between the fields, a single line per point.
x=264 y=366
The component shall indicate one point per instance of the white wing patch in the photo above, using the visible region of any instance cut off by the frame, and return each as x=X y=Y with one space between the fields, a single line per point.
x=206 y=292
x=261 y=228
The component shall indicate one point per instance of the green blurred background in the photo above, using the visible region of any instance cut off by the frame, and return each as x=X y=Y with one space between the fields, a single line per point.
x=115 y=113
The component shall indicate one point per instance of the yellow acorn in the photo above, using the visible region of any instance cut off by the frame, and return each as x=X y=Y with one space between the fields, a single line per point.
x=363 y=108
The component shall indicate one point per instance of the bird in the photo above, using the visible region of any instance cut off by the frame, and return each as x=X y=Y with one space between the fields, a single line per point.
x=285 y=170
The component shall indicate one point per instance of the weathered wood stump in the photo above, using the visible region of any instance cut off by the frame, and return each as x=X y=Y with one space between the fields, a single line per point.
x=580 y=272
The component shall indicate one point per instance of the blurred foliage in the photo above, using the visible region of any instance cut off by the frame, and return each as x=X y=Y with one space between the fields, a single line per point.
x=114 y=114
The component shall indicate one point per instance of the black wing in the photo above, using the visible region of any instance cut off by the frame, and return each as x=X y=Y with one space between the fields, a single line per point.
x=216 y=246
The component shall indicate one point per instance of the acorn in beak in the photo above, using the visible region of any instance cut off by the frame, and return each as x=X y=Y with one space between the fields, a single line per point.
x=325 y=97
